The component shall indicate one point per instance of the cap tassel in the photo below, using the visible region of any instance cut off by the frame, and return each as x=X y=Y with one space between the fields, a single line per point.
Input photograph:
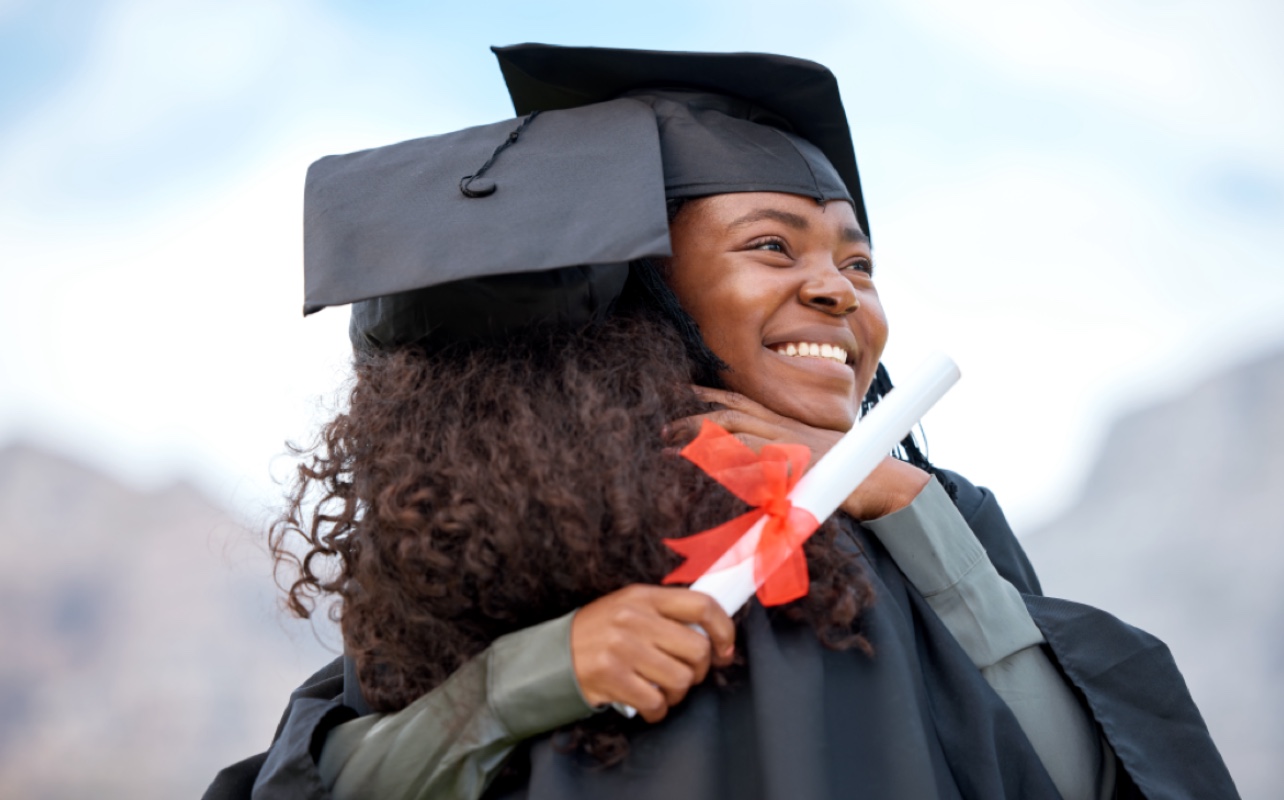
x=470 y=186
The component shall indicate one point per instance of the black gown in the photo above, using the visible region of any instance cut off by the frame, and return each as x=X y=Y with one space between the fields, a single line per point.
x=915 y=720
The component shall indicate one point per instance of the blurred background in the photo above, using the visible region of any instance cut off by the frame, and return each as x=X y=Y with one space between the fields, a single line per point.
x=1082 y=202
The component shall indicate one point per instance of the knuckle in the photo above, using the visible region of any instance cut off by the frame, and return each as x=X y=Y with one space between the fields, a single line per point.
x=719 y=630
x=718 y=619
x=614 y=642
x=677 y=678
x=656 y=704
x=734 y=400
x=701 y=664
x=601 y=663
x=686 y=676
x=732 y=415
x=623 y=615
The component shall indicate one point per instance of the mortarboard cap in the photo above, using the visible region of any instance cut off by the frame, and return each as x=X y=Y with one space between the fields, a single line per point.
x=728 y=122
x=533 y=220
x=541 y=229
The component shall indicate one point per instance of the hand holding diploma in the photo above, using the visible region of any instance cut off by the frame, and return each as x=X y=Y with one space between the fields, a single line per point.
x=642 y=645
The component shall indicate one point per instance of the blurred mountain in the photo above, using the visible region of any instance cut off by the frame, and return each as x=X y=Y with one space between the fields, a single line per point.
x=142 y=644
x=1180 y=531
x=143 y=647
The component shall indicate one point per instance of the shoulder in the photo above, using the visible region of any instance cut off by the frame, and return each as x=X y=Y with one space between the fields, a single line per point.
x=1137 y=695
x=983 y=515
x=321 y=691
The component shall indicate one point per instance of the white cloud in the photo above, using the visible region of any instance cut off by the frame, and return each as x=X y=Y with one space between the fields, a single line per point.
x=1067 y=290
x=1214 y=68
x=174 y=99
x=167 y=337
x=178 y=347
x=162 y=328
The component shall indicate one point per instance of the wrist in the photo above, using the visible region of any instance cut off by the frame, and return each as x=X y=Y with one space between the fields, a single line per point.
x=910 y=485
x=892 y=486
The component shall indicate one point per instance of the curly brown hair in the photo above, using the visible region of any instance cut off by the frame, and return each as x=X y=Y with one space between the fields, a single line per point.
x=481 y=489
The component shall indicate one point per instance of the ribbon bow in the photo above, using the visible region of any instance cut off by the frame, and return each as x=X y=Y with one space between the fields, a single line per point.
x=762 y=480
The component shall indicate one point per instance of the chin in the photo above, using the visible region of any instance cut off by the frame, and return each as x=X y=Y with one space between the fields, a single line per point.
x=842 y=425
x=830 y=419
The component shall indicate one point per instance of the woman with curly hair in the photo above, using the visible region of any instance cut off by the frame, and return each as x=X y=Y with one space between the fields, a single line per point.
x=489 y=510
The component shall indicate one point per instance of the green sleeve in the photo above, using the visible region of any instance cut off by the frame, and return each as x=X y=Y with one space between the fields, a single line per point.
x=941 y=557
x=451 y=742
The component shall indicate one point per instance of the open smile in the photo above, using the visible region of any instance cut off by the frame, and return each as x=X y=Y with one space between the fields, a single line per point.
x=831 y=352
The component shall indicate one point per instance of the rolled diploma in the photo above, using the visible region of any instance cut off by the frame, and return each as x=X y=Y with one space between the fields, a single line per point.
x=836 y=475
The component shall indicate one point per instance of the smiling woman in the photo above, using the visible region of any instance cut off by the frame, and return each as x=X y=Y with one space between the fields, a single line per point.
x=782 y=289
x=493 y=501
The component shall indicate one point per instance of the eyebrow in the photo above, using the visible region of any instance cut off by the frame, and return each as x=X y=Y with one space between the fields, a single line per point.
x=795 y=221
x=855 y=236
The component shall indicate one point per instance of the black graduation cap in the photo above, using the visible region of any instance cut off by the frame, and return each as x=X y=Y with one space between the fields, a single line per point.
x=473 y=232
x=533 y=220
x=721 y=115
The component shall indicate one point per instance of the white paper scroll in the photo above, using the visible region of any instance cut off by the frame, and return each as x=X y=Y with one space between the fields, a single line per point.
x=836 y=475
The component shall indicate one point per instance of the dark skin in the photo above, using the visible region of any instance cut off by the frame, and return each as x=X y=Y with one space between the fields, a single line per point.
x=766 y=276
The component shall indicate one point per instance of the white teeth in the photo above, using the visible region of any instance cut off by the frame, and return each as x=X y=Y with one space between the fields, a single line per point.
x=812 y=349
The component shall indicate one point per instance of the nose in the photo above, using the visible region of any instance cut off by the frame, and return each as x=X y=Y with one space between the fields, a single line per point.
x=828 y=290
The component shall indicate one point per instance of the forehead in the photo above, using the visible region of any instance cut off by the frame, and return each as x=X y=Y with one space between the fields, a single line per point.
x=730 y=214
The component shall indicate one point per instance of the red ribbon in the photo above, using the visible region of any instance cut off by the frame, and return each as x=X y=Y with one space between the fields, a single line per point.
x=762 y=480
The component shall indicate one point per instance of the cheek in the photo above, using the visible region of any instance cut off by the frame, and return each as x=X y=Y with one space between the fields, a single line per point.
x=714 y=325
x=729 y=315
x=876 y=329
x=870 y=327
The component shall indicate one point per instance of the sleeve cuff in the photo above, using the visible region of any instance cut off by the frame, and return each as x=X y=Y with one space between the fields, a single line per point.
x=939 y=554
x=532 y=679
x=929 y=540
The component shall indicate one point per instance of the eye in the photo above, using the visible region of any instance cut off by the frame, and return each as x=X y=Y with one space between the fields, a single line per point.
x=771 y=244
x=861 y=264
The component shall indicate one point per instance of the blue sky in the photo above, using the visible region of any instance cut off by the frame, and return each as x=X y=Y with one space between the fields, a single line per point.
x=1082 y=202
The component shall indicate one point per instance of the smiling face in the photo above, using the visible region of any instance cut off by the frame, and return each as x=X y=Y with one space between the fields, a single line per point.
x=776 y=282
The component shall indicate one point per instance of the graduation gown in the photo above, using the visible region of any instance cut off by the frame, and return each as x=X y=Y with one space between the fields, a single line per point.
x=916 y=720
